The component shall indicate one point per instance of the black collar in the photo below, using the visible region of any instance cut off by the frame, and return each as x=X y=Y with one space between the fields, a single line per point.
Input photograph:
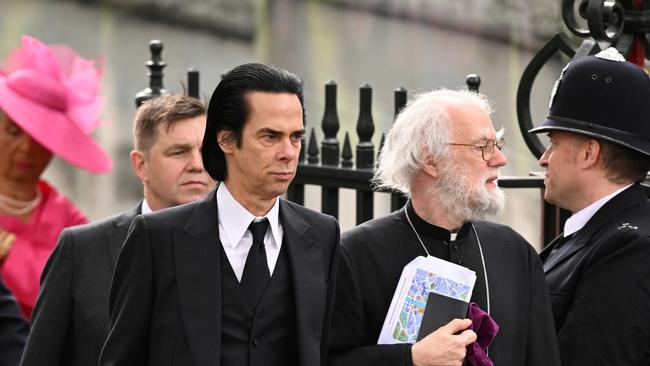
x=428 y=230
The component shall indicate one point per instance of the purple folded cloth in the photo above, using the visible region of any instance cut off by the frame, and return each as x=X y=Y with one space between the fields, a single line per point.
x=486 y=329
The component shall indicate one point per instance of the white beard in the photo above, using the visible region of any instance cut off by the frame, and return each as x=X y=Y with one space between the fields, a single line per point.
x=463 y=201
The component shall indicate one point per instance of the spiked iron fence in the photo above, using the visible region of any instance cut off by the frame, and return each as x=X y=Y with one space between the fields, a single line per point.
x=334 y=166
x=333 y=169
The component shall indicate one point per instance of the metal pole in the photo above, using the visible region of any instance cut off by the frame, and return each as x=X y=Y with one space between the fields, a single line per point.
x=637 y=54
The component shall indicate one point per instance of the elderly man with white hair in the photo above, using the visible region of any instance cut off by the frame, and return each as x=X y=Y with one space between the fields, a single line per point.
x=444 y=154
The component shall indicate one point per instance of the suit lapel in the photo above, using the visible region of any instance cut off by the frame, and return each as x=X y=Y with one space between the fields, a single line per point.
x=198 y=280
x=543 y=255
x=601 y=219
x=308 y=275
x=116 y=236
x=568 y=249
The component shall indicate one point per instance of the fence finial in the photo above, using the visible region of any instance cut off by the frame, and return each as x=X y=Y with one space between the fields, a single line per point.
x=193 y=89
x=330 y=125
x=346 y=154
x=473 y=82
x=312 y=148
x=155 y=65
x=365 y=129
x=400 y=100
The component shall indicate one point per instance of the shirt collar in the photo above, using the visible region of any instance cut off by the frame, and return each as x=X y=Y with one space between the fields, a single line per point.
x=422 y=227
x=145 y=207
x=579 y=219
x=234 y=218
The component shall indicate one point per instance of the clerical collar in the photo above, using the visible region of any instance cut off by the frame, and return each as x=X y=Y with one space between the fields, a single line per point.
x=435 y=232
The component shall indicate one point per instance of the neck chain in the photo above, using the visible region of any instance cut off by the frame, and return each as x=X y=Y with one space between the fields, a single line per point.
x=17 y=207
x=480 y=249
x=406 y=211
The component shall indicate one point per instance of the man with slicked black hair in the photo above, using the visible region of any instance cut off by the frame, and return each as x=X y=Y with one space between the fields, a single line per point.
x=70 y=321
x=230 y=107
x=242 y=277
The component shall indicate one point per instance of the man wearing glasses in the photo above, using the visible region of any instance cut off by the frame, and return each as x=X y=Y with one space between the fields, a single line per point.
x=444 y=154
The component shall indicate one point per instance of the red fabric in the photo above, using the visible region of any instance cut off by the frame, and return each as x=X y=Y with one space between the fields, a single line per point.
x=637 y=53
x=486 y=329
x=34 y=242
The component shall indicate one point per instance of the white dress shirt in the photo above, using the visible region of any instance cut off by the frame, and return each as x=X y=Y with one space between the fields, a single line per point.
x=579 y=219
x=145 y=209
x=235 y=237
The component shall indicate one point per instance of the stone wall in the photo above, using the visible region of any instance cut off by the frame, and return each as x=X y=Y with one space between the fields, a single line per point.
x=236 y=18
x=525 y=22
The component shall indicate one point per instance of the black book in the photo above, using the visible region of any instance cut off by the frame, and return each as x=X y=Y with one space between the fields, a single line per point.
x=439 y=311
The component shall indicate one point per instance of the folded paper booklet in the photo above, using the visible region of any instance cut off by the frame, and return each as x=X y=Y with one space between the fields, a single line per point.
x=413 y=307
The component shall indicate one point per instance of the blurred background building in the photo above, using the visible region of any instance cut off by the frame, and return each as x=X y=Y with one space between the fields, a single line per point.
x=417 y=44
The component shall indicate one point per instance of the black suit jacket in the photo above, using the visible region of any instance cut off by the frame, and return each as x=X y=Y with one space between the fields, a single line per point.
x=165 y=299
x=599 y=285
x=70 y=320
x=13 y=328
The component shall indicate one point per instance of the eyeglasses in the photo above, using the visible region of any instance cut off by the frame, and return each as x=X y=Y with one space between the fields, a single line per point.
x=487 y=148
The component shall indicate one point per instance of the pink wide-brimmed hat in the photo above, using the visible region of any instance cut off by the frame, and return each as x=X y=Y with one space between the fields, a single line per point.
x=52 y=94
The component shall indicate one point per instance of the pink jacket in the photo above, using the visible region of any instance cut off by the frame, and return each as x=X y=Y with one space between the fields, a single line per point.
x=34 y=242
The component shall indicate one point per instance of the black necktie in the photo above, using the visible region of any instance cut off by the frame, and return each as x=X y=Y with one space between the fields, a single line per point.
x=256 y=270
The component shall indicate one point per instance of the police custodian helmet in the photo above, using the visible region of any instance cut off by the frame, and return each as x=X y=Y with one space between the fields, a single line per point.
x=605 y=97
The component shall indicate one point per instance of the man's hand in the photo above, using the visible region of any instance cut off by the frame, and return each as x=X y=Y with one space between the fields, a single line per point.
x=444 y=346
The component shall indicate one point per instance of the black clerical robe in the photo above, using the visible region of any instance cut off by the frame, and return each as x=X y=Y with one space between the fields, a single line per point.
x=373 y=256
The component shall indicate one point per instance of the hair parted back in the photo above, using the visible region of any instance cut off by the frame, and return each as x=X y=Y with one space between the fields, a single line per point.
x=228 y=108
x=421 y=129
x=162 y=111
x=623 y=165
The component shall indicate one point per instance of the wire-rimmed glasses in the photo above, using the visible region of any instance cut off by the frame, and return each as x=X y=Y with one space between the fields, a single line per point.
x=487 y=148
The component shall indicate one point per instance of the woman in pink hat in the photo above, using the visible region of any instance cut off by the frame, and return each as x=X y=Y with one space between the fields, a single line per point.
x=49 y=104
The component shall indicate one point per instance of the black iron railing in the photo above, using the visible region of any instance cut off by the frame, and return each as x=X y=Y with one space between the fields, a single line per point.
x=333 y=166
x=623 y=24
x=333 y=169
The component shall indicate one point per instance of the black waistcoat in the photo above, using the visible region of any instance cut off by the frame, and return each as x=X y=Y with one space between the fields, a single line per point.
x=264 y=335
